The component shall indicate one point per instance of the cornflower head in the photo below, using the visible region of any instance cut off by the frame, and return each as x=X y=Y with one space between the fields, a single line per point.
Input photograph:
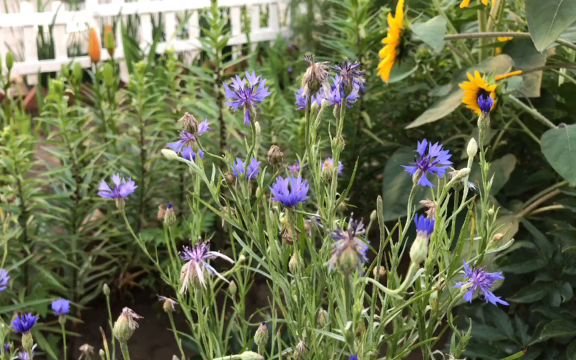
x=424 y=228
x=238 y=168
x=61 y=307
x=350 y=76
x=196 y=257
x=190 y=155
x=24 y=355
x=315 y=99
x=7 y=347
x=121 y=190
x=485 y=104
x=24 y=323
x=316 y=75
x=189 y=139
x=294 y=168
x=327 y=166
x=348 y=251
x=434 y=162
x=125 y=325
x=479 y=279
x=353 y=357
x=290 y=191
x=169 y=305
x=246 y=93
x=338 y=97
x=4 y=278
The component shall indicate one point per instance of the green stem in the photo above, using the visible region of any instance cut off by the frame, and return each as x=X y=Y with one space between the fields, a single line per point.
x=64 y=338
x=111 y=326
x=176 y=335
x=124 y=349
x=533 y=112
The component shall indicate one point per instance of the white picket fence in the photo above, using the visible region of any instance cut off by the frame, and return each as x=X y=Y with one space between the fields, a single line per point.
x=94 y=14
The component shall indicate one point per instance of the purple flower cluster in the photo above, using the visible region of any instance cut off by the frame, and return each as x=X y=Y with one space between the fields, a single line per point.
x=435 y=162
x=61 y=307
x=122 y=188
x=187 y=139
x=238 y=168
x=23 y=323
x=196 y=259
x=338 y=95
x=246 y=93
x=485 y=104
x=4 y=277
x=290 y=191
x=479 y=279
x=350 y=76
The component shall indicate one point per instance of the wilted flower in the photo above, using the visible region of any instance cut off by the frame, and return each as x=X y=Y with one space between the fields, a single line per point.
x=350 y=75
x=290 y=191
x=86 y=351
x=189 y=123
x=479 y=279
x=300 y=349
x=125 y=325
x=94 y=46
x=424 y=228
x=316 y=75
x=435 y=162
x=328 y=165
x=122 y=188
x=245 y=95
x=465 y=3
x=431 y=212
x=169 y=304
x=61 y=307
x=190 y=155
x=348 y=251
x=23 y=323
x=394 y=43
x=239 y=167
x=197 y=262
x=322 y=319
x=275 y=155
x=4 y=277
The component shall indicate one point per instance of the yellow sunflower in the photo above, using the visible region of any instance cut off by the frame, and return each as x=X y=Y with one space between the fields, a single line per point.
x=474 y=88
x=465 y=3
x=393 y=42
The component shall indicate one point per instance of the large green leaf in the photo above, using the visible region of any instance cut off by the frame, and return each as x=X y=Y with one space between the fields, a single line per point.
x=397 y=184
x=559 y=148
x=548 y=19
x=525 y=56
x=558 y=328
x=402 y=71
x=431 y=32
x=571 y=351
x=531 y=293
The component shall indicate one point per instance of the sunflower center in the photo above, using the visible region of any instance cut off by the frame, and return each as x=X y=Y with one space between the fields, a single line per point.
x=482 y=92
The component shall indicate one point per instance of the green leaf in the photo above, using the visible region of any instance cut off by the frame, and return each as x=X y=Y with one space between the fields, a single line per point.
x=531 y=293
x=397 y=185
x=571 y=351
x=544 y=245
x=501 y=320
x=548 y=19
x=518 y=355
x=559 y=148
x=431 y=32
x=558 y=328
x=488 y=333
x=525 y=56
x=402 y=71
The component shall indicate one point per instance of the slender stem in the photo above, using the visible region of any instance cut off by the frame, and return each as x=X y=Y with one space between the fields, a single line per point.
x=176 y=335
x=482 y=25
x=124 y=349
x=64 y=339
x=547 y=208
x=501 y=34
x=111 y=326
x=535 y=204
x=533 y=112
x=546 y=191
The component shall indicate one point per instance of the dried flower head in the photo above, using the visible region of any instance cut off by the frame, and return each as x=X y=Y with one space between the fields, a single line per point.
x=479 y=279
x=348 y=251
x=246 y=93
x=431 y=211
x=194 y=270
x=275 y=156
x=86 y=352
x=316 y=76
x=327 y=167
x=125 y=325
x=189 y=123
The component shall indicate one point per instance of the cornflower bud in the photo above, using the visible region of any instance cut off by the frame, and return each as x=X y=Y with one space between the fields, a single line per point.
x=232 y=288
x=275 y=156
x=106 y=289
x=241 y=259
x=125 y=325
x=295 y=265
x=169 y=154
x=322 y=319
x=229 y=178
x=261 y=337
x=373 y=215
x=419 y=249
x=381 y=274
x=169 y=216
x=102 y=354
x=472 y=148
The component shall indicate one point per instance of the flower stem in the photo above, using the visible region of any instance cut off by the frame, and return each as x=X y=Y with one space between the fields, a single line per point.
x=176 y=335
x=533 y=112
x=124 y=349
x=64 y=339
x=111 y=325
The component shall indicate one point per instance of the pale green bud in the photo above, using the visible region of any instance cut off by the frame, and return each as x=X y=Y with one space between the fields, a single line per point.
x=170 y=216
x=472 y=148
x=295 y=265
x=9 y=61
x=373 y=215
x=261 y=336
x=65 y=70
x=77 y=72
x=232 y=288
x=169 y=154
x=125 y=325
x=106 y=290
x=27 y=341
x=250 y=355
x=348 y=261
x=419 y=250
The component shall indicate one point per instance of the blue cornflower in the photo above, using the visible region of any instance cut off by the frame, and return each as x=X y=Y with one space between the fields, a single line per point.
x=187 y=138
x=485 y=104
x=246 y=95
x=23 y=323
x=424 y=226
x=353 y=357
x=348 y=251
x=328 y=164
x=190 y=155
x=435 y=162
x=350 y=75
x=290 y=191
x=301 y=98
x=479 y=279
x=253 y=168
x=7 y=348
x=61 y=307
x=338 y=95
x=122 y=188
x=294 y=168
x=197 y=262
x=4 y=277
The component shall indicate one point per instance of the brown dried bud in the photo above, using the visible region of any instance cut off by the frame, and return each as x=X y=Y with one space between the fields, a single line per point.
x=161 y=213
x=287 y=234
x=275 y=156
x=229 y=178
x=189 y=124
x=497 y=237
x=382 y=274
x=431 y=212
x=316 y=76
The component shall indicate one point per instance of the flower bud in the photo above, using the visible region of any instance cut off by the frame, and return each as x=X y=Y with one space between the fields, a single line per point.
x=108 y=73
x=250 y=355
x=125 y=325
x=258 y=192
x=232 y=288
x=472 y=148
x=491 y=211
x=57 y=87
x=241 y=259
x=261 y=336
x=373 y=215
x=258 y=129
x=419 y=250
x=27 y=341
x=77 y=72
x=109 y=42
x=94 y=46
x=348 y=260
x=169 y=216
x=497 y=237
x=300 y=350
x=102 y=354
x=169 y=305
x=295 y=265
x=9 y=61
x=323 y=318
x=106 y=289
x=275 y=156
x=381 y=275
x=120 y=203
x=169 y=154
x=229 y=178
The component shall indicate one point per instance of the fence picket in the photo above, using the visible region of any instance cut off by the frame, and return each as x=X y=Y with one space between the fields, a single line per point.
x=30 y=35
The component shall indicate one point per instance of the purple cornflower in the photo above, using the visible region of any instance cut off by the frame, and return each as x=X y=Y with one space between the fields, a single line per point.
x=122 y=189
x=348 y=251
x=23 y=323
x=424 y=226
x=4 y=277
x=290 y=69
x=328 y=164
x=485 y=104
x=435 y=162
x=246 y=95
x=7 y=348
x=338 y=95
x=479 y=279
x=190 y=155
x=349 y=75
x=294 y=168
x=290 y=191
x=301 y=98
x=23 y=355
x=197 y=262
x=253 y=169
x=61 y=307
x=353 y=357
x=187 y=138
